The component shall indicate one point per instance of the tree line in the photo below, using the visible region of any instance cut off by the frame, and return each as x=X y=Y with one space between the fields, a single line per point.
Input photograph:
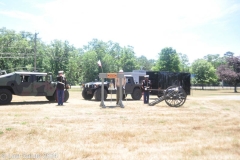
x=17 y=51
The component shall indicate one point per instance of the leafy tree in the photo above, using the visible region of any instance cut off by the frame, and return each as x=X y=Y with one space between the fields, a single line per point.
x=168 y=60
x=112 y=58
x=108 y=64
x=16 y=49
x=89 y=66
x=59 y=53
x=228 y=54
x=230 y=72
x=184 y=62
x=108 y=53
x=74 y=67
x=127 y=59
x=114 y=49
x=98 y=46
x=144 y=64
x=214 y=59
x=204 y=72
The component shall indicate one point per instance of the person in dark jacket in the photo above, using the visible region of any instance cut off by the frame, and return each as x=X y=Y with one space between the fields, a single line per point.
x=61 y=83
x=146 y=84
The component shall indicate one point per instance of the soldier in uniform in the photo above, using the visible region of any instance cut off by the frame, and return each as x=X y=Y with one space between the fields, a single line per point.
x=117 y=86
x=61 y=83
x=146 y=84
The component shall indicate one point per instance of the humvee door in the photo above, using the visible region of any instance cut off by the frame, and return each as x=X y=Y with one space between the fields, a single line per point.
x=43 y=85
x=129 y=85
x=25 y=86
x=40 y=85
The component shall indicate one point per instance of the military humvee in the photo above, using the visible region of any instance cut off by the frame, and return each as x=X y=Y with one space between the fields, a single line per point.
x=131 y=87
x=25 y=83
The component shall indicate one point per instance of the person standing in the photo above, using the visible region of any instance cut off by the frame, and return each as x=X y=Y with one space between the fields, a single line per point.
x=117 y=86
x=61 y=83
x=146 y=84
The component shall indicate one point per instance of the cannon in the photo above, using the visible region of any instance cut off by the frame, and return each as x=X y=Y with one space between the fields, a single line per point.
x=174 y=96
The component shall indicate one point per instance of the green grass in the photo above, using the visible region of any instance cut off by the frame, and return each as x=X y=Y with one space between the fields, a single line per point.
x=226 y=109
x=211 y=92
x=162 y=121
x=9 y=129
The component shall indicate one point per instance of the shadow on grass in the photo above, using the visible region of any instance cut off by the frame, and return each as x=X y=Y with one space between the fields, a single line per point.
x=111 y=107
x=114 y=100
x=31 y=103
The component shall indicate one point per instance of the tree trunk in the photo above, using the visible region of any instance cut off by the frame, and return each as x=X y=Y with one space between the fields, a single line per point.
x=235 y=87
x=202 y=87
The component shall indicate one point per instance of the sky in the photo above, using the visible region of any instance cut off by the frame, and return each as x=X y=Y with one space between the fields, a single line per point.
x=192 y=27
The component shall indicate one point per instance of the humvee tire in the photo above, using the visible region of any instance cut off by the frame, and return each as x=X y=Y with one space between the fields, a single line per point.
x=86 y=96
x=51 y=98
x=5 y=96
x=97 y=94
x=137 y=94
x=66 y=95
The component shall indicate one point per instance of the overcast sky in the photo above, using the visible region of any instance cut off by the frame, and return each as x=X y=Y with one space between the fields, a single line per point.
x=192 y=27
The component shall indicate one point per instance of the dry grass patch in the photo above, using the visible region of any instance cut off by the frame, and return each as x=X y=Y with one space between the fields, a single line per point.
x=206 y=127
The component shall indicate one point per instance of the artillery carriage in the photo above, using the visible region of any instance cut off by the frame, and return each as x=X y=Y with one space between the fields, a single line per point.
x=171 y=87
x=174 y=96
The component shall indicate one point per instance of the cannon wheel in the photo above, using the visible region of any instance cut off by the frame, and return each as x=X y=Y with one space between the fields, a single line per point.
x=175 y=96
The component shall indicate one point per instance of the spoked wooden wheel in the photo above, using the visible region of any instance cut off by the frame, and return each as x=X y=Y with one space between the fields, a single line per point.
x=175 y=96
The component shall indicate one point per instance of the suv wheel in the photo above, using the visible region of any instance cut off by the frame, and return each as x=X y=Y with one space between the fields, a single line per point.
x=86 y=96
x=97 y=94
x=5 y=96
x=137 y=94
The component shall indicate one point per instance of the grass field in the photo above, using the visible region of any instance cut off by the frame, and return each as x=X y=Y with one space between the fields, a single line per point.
x=207 y=126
